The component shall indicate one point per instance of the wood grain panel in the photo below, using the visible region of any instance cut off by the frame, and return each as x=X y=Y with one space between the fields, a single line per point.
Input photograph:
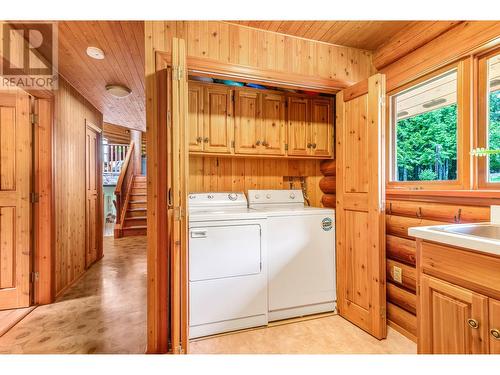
x=7 y=147
x=123 y=46
x=261 y=49
x=70 y=114
x=401 y=249
x=359 y=34
x=408 y=273
x=241 y=174
x=116 y=134
x=7 y=247
x=494 y=325
x=398 y=225
x=402 y=298
x=402 y=321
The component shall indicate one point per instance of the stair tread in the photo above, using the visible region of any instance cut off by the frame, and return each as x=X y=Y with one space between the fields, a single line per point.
x=136 y=218
x=135 y=227
x=136 y=209
x=139 y=201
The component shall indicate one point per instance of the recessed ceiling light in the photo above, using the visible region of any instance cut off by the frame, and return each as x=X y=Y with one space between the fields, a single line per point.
x=95 y=53
x=118 y=91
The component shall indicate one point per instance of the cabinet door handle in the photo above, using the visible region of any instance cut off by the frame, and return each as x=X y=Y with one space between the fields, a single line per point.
x=265 y=144
x=495 y=333
x=257 y=143
x=309 y=145
x=199 y=139
x=205 y=140
x=473 y=323
x=313 y=145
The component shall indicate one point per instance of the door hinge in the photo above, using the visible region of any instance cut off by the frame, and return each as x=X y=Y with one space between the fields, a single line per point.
x=34 y=197
x=34 y=118
x=382 y=312
x=178 y=213
x=177 y=73
x=232 y=144
x=34 y=277
x=286 y=146
x=232 y=97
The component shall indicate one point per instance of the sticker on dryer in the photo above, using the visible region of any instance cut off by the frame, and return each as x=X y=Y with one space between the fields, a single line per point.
x=326 y=224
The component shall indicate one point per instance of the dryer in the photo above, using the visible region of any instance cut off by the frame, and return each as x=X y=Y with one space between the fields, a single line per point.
x=301 y=253
x=227 y=264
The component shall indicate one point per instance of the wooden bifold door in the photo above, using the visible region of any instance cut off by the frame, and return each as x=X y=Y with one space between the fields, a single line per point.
x=360 y=221
x=15 y=172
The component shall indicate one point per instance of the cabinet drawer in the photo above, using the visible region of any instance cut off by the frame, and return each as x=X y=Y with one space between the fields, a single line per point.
x=474 y=271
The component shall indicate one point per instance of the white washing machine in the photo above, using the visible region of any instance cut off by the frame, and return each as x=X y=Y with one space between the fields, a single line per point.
x=227 y=264
x=301 y=254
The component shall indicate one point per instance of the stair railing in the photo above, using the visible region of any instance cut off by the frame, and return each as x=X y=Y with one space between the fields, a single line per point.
x=123 y=185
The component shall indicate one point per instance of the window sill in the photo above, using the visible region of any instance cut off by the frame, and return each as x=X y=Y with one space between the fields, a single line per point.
x=489 y=194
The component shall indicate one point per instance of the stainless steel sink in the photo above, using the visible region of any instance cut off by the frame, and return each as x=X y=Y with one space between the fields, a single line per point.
x=491 y=231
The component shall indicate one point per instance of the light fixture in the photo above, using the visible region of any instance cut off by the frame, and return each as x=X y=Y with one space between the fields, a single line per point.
x=434 y=102
x=118 y=91
x=95 y=53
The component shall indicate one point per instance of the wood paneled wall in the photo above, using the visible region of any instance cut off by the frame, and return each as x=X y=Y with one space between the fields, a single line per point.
x=240 y=174
x=258 y=48
x=70 y=112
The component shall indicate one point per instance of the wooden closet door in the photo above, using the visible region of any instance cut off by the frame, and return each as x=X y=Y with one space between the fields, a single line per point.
x=360 y=221
x=15 y=171
x=92 y=198
x=195 y=117
x=494 y=326
x=273 y=124
x=218 y=122
x=321 y=127
x=448 y=316
x=248 y=136
x=298 y=127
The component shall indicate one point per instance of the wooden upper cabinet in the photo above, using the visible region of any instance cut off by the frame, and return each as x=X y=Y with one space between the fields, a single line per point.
x=273 y=125
x=321 y=127
x=218 y=120
x=453 y=320
x=298 y=126
x=494 y=327
x=195 y=117
x=248 y=122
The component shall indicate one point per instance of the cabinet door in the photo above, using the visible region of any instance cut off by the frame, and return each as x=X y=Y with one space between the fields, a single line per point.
x=195 y=117
x=298 y=127
x=248 y=122
x=452 y=320
x=321 y=127
x=494 y=328
x=218 y=121
x=273 y=125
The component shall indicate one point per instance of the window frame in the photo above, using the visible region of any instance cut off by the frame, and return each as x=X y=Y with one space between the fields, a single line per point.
x=463 y=181
x=481 y=115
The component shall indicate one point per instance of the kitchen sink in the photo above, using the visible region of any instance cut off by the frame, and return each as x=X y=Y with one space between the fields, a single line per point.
x=491 y=231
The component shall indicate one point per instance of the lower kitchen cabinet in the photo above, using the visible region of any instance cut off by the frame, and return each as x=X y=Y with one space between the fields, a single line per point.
x=453 y=320
x=458 y=300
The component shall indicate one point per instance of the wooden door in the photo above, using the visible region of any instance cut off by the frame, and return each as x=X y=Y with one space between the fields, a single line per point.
x=321 y=127
x=195 y=117
x=273 y=124
x=92 y=209
x=494 y=326
x=218 y=124
x=298 y=127
x=247 y=137
x=453 y=320
x=15 y=171
x=178 y=216
x=360 y=222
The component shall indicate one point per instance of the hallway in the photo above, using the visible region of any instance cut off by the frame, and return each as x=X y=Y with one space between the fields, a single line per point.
x=103 y=312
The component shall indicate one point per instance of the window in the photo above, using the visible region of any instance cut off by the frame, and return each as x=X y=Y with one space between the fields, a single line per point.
x=425 y=130
x=493 y=118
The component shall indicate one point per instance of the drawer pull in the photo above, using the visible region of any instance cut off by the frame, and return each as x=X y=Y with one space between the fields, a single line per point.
x=495 y=333
x=473 y=323
x=199 y=139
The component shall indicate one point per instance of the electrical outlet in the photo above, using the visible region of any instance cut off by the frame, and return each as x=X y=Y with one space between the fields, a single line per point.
x=397 y=274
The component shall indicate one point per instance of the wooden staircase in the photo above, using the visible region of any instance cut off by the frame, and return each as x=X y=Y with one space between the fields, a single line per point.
x=131 y=200
x=134 y=223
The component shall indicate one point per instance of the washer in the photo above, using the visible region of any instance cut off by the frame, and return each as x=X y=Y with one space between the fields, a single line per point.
x=301 y=254
x=227 y=264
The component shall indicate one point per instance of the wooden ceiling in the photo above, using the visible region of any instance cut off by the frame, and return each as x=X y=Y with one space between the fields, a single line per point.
x=367 y=35
x=123 y=45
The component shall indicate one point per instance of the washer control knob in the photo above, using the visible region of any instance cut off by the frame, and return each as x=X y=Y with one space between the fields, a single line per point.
x=232 y=196
x=210 y=196
x=257 y=196
x=191 y=196
x=268 y=196
x=292 y=195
